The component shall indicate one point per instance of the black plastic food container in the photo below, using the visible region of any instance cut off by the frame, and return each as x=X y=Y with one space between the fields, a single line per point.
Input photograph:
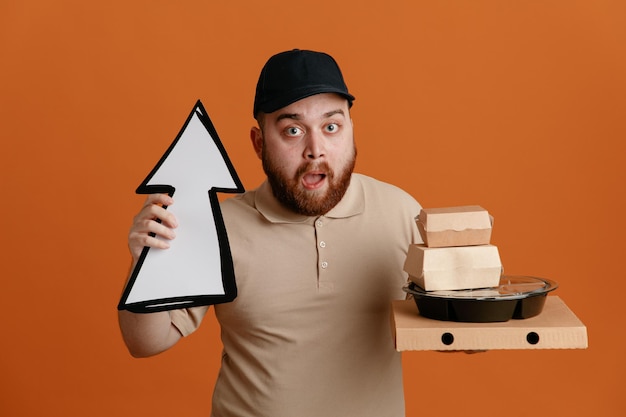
x=516 y=297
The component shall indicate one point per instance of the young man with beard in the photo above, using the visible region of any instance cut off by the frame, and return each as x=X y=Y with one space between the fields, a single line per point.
x=318 y=253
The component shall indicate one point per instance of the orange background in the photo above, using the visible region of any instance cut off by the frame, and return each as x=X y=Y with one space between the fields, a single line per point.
x=518 y=106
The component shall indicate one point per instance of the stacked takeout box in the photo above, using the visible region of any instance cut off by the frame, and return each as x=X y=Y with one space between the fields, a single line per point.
x=456 y=253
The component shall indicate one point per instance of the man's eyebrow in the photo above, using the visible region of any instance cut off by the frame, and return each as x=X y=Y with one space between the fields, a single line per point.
x=297 y=116
x=293 y=116
x=334 y=112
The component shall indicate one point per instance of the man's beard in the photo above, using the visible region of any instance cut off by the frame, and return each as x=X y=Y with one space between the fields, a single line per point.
x=289 y=191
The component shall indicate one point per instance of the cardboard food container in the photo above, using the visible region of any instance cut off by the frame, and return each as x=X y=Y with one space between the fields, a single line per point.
x=453 y=268
x=455 y=226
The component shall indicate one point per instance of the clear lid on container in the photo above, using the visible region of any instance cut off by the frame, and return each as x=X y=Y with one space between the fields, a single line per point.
x=511 y=287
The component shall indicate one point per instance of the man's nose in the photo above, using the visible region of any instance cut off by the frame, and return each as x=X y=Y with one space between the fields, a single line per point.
x=314 y=145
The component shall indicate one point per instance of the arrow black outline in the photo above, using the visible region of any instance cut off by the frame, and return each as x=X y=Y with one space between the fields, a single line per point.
x=226 y=260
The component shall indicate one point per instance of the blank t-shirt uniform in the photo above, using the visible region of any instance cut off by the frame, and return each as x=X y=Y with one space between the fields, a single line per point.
x=309 y=332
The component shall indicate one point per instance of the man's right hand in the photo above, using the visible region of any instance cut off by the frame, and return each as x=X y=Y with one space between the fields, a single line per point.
x=153 y=220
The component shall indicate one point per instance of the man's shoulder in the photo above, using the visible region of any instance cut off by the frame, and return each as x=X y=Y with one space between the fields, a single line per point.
x=245 y=199
x=380 y=189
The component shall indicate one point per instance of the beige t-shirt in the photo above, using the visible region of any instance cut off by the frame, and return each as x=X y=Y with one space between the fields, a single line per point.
x=309 y=332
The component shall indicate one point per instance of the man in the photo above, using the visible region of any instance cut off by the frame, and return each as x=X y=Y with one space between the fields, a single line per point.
x=318 y=254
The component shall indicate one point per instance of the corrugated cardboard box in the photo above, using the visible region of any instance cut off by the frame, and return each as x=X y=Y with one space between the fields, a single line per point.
x=557 y=327
x=453 y=268
x=455 y=226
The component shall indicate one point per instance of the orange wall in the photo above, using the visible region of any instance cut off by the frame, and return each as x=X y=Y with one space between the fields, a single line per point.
x=518 y=106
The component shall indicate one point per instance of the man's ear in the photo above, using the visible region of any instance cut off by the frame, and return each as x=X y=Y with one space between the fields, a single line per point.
x=256 y=137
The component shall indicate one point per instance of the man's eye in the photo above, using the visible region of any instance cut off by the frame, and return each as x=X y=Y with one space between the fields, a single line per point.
x=293 y=131
x=333 y=127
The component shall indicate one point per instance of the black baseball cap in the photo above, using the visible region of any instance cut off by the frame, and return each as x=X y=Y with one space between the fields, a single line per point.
x=293 y=75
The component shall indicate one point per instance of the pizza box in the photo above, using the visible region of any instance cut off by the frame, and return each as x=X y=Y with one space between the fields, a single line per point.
x=556 y=327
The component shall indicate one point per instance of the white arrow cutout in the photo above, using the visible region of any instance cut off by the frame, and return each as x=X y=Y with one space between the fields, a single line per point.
x=192 y=266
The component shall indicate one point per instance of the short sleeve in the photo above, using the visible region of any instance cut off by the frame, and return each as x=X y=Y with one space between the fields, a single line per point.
x=188 y=320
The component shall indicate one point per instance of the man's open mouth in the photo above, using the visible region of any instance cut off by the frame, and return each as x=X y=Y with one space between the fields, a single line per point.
x=313 y=180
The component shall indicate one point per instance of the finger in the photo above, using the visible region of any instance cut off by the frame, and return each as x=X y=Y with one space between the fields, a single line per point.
x=141 y=240
x=159 y=199
x=138 y=241
x=144 y=226
x=160 y=214
x=154 y=209
x=148 y=233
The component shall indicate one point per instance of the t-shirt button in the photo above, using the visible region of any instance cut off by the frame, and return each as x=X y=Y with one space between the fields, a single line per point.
x=324 y=265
